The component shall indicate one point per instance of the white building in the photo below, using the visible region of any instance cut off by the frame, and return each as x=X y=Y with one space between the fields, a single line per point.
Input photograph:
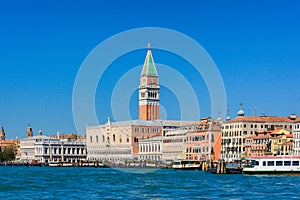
x=174 y=145
x=296 y=138
x=116 y=141
x=150 y=149
x=44 y=149
x=111 y=141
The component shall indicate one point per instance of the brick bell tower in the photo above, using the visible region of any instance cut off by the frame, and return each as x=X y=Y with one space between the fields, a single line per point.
x=29 y=132
x=2 y=134
x=149 y=90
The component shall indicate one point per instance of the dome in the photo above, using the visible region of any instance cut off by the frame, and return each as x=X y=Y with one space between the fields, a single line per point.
x=241 y=113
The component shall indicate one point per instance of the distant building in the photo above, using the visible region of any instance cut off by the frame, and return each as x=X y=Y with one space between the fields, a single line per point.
x=29 y=132
x=2 y=134
x=296 y=138
x=151 y=149
x=204 y=143
x=109 y=142
x=6 y=144
x=282 y=142
x=259 y=144
x=174 y=145
x=45 y=149
x=117 y=141
x=235 y=131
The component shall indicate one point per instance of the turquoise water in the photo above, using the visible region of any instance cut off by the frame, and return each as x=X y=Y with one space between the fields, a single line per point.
x=98 y=183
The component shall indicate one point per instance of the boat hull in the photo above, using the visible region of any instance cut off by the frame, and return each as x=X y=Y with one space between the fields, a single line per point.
x=59 y=164
x=271 y=172
x=187 y=165
x=188 y=168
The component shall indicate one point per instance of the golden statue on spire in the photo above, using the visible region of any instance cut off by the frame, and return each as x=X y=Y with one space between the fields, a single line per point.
x=148 y=45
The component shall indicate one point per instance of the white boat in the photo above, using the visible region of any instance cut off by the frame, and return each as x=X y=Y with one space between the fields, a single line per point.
x=187 y=165
x=272 y=165
x=60 y=164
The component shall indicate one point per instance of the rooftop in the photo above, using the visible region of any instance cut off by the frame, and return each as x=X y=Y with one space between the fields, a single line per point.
x=139 y=122
x=264 y=119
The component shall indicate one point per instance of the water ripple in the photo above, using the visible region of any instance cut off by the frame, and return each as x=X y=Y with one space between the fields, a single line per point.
x=90 y=183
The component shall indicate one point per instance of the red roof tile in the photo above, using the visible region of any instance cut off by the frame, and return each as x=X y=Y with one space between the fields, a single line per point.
x=264 y=119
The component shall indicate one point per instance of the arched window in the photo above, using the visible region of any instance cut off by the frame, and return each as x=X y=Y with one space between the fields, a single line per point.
x=103 y=138
x=114 y=137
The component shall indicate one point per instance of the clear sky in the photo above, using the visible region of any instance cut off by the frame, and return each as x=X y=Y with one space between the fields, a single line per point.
x=255 y=45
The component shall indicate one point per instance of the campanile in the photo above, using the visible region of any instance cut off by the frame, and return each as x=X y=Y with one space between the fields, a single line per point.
x=149 y=90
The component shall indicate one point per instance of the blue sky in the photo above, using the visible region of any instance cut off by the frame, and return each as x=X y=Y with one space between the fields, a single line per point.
x=255 y=45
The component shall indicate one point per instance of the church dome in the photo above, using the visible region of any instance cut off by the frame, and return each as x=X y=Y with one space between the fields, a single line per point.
x=241 y=113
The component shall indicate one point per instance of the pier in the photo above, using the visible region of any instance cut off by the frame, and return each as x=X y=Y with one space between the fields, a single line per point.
x=222 y=167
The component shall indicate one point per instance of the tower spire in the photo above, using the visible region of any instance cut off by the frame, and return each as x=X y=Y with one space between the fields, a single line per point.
x=149 y=68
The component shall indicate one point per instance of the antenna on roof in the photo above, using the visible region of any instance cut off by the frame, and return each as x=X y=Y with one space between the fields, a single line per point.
x=228 y=114
x=219 y=115
x=254 y=110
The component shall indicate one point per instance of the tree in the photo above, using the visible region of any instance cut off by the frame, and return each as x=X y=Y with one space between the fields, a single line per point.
x=7 y=153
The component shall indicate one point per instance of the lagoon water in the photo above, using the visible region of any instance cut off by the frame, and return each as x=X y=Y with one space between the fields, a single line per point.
x=98 y=183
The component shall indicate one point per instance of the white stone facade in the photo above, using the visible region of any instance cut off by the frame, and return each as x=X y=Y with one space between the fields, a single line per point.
x=174 y=145
x=44 y=149
x=296 y=139
x=119 y=141
x=109 y=142
x=150 y=149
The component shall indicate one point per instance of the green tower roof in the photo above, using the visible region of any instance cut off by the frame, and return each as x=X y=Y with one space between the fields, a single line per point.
x=149 y=65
